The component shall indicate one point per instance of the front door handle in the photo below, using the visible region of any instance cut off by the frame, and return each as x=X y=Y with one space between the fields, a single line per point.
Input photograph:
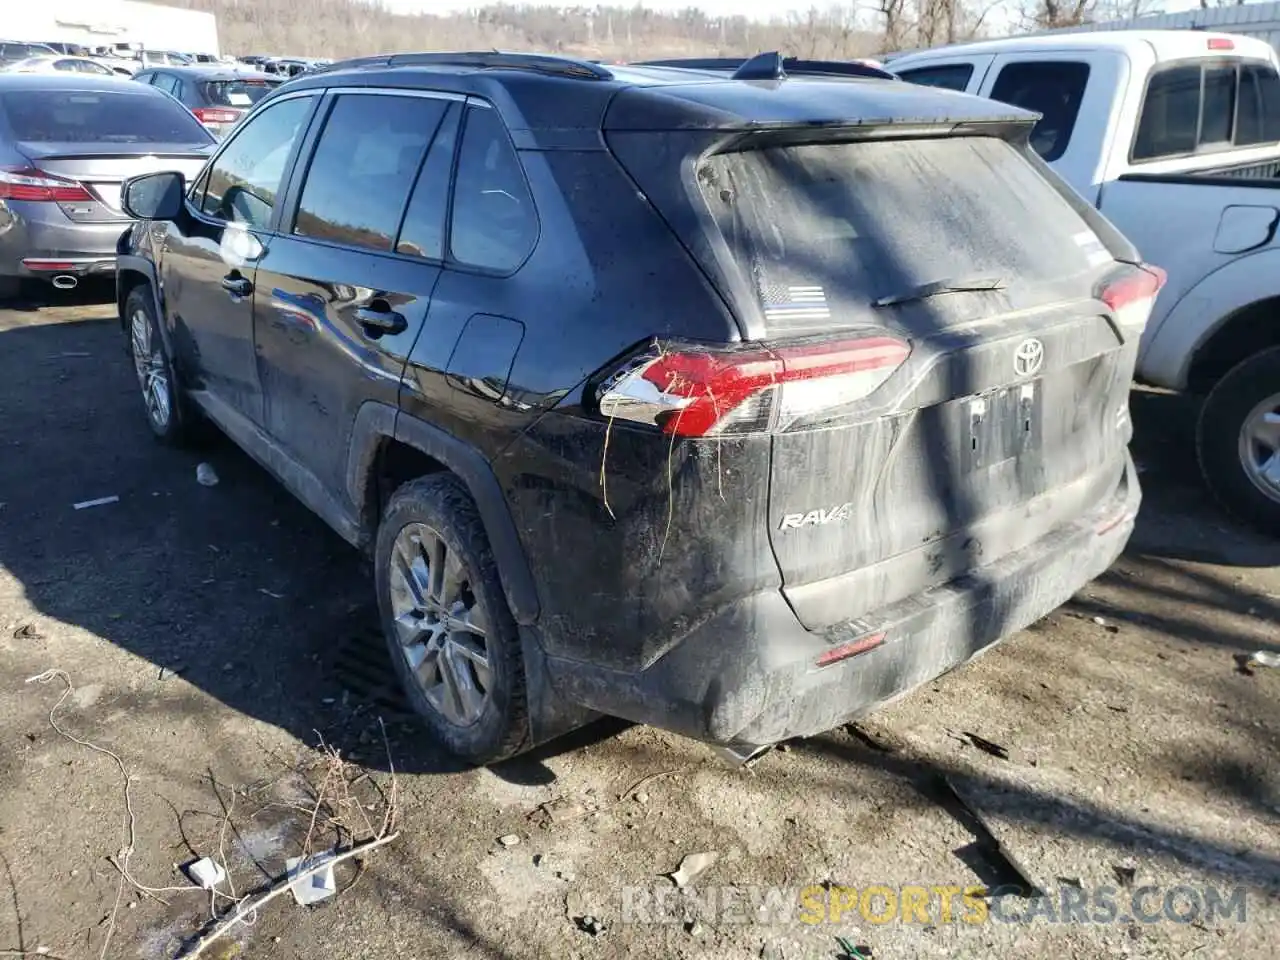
x=378 y=322
x=237 y=285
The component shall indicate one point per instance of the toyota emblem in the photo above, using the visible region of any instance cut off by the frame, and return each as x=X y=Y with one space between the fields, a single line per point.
x=1028 y=358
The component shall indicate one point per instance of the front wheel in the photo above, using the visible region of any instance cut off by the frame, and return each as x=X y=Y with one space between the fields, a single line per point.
x=452 y=638
x=162 y=400
x=1238 y=441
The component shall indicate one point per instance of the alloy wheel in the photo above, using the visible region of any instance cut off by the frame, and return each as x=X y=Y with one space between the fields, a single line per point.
x=440 y=624
x=1260 y=446
x=153 y=374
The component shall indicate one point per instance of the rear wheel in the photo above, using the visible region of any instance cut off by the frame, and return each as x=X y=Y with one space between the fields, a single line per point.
x=10 y=288
x=452 y=638
x=161 y=398
x=1238 y=440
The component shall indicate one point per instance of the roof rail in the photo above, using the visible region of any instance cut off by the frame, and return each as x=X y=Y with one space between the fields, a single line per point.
x=486 y=60
x=774 y=66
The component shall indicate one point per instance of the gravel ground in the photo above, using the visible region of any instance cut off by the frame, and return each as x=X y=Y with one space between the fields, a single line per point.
x=216 y=635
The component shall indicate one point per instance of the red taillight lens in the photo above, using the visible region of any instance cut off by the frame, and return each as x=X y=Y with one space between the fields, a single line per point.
x=28 y=183
x=1132 y=294
x=216 y=115
x=1221 y=43
x=695 y=391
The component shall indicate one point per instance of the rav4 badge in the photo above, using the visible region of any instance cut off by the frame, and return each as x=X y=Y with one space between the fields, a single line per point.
x=816 y=518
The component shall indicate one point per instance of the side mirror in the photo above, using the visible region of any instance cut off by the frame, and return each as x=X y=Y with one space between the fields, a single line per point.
x=153 y=196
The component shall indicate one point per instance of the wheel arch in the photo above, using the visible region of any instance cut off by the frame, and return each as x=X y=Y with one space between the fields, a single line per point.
x=133 y=272
x=389 y=447
x=1220 y=309
x=1247 y=331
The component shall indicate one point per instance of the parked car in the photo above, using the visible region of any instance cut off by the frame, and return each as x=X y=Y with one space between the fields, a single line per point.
x=287 y=66
x=56 y=63
x=1173 y=136
x=218 y=97
x=70 y=49
x=67 y=143
x=11 y=51
x=729 y=406
x=162 y=58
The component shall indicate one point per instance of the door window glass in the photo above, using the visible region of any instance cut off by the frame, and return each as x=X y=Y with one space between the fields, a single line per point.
x=422 y=234
x=244 y=181
x=1052 y=89
x=950 y=76
x=364 y=165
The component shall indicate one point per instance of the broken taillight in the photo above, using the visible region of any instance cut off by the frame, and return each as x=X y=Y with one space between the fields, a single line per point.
x=1132 y=293
x=695 y=391
x=850 y=649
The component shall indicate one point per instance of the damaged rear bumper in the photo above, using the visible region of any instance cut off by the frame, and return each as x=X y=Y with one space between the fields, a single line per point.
x=748 y=674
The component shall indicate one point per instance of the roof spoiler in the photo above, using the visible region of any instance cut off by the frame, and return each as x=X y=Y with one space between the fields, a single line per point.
x=774 y=66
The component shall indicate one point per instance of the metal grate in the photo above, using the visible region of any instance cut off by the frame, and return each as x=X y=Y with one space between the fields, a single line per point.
x=363 y=667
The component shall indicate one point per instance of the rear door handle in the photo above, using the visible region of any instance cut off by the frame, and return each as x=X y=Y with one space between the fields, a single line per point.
x=378 y=322
x=237 y=285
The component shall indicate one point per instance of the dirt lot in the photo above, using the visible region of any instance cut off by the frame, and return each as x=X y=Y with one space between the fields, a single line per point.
x=214 y=635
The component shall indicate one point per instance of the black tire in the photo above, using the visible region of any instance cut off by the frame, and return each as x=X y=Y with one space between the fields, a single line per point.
x=10 y=288
x=1222 y=419
x=175 y=429
x=441 y=503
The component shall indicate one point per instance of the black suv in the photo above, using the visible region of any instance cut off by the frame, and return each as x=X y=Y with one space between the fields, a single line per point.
x=734 y=402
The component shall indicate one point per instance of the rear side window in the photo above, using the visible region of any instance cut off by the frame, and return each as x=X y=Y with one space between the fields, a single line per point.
x=364 y=166
x=1052 y=89
x=235 y=93
x=494 y=226
x=824 y=230
x=76 y=116
x=1207 y=106
x=951 y=76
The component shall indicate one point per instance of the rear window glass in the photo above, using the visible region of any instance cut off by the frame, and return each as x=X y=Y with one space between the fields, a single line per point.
x=236 y=93
x=75 y=116
x=823 y=230
x=1207 y=106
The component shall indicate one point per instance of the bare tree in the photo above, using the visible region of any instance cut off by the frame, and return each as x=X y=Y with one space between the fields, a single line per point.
x=1049 y=14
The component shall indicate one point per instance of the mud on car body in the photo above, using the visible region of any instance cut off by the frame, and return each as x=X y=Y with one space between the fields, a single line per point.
x=731 y=401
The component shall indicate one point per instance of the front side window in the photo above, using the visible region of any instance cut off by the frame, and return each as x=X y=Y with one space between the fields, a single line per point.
x=1052 y=89
x=950 y=76
x=243 y=184
x=494 y=225
x=364 y=166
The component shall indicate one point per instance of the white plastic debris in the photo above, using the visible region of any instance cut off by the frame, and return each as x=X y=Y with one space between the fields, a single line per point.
x=693 y=866
x=1265 y=658
x=316 y=887
x=509 y=840
x=100 y=502
x=206 y=873
x=206 y=476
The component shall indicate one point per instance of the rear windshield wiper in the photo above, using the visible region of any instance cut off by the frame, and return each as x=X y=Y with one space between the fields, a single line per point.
x=926 y=290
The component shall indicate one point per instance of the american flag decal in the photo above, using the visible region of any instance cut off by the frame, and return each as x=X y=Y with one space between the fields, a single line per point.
x=786 y=302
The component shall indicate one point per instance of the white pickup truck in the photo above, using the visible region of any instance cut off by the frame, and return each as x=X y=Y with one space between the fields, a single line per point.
x=1173 y=135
